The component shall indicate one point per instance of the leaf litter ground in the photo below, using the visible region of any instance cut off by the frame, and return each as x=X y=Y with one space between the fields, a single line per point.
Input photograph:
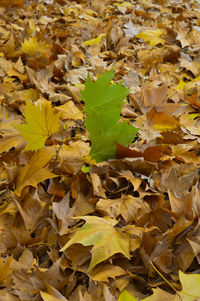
x=127 y=228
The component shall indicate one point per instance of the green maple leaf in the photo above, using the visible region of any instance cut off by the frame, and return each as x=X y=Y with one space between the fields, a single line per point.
x=41 y=122
x=103 y=104
x=100 y=233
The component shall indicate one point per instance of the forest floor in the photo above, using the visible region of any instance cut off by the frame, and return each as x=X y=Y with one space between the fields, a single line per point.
x=126 y=228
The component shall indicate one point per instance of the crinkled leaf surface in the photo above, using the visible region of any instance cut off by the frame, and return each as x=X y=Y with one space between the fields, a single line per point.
x=34 y=172
x=41 y=122
x=103 y=104
x=100 y=233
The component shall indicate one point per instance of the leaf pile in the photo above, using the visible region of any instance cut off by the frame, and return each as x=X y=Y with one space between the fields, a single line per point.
x=121 y=229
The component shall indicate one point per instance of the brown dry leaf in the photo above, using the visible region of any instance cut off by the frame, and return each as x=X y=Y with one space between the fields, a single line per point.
x=64 y=215
x=105 y=271
x=130 y=208
x=10 y=136
x=194 y=100
x=34 y=172
x=161 y=121
x=70 y=111
x=183 y=38
x=189 y=124
x=72 y=156
x=193 y=66
x=185 y=153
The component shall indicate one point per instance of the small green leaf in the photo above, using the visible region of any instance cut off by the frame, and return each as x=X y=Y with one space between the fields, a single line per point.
x=85 y=169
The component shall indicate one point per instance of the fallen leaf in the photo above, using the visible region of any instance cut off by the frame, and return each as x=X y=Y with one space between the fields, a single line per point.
x=34 y=172
x=152 y=36
x=42 y=122
x=161 y=121
x=100 y=233
x=104 y=271
x=69 y=111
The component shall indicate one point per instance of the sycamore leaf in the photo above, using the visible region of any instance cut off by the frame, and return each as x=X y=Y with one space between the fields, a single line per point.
x=152 y=36
x=126 y=296
x=100 y=233
x=41 y=123
x=103 y=106
x=34 y=172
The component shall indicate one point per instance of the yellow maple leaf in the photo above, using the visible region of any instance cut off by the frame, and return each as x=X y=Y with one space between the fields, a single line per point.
x=152 y=36
x=34 y=172
x=32 y=46
x=41 y=122
x=100 y=233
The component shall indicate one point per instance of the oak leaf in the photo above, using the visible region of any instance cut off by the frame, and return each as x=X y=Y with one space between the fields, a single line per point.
x=34 y=172
x=100 y=233
x=41 y=122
